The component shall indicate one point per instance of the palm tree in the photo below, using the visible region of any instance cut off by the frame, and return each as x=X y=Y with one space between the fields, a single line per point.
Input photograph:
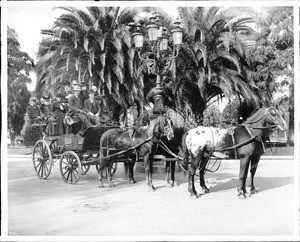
x=89 y=45
x=212 y=60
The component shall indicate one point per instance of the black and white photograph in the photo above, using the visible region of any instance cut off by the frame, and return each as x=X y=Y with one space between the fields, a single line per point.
x=150 y=121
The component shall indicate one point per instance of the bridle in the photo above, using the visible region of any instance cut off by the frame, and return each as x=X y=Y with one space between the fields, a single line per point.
x=274 y=126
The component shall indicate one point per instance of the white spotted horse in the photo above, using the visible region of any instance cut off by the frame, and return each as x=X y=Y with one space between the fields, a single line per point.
x=245 y=142
x=140 y=142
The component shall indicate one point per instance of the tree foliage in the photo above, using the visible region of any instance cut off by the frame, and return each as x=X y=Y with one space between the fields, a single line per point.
x=19 y=66
x=273 y=54
x=212 y=61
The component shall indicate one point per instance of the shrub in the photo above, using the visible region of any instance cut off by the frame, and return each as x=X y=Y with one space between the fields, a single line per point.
x=32 y=135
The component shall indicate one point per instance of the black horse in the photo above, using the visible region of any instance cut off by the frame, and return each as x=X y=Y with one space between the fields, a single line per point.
x=140 y=142
x=171 y=149
x=246 y=142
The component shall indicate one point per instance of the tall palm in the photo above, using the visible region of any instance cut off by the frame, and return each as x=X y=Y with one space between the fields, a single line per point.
x=89 y=45
x=212 y=60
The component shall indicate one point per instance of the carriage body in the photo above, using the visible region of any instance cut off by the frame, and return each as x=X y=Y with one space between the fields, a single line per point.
x=74 y=152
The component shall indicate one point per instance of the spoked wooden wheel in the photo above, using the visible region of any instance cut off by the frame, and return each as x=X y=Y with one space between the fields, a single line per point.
x=42 y=159
x=113 y=170
x=70 y=167
x=56 y=151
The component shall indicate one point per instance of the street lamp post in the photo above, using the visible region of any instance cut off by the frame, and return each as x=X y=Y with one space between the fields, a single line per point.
x=159 y=58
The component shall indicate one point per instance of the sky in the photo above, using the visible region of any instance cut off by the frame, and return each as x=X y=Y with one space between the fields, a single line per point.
x=28 y=22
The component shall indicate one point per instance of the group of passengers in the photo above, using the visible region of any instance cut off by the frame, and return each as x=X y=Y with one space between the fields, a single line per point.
x=76 y=101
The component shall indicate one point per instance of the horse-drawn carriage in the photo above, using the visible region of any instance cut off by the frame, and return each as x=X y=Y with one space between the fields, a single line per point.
x=76 y=153
x=104 y=145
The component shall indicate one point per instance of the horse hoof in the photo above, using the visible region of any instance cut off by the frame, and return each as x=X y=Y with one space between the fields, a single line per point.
x=206 y=190
x=151 y=188
x=242 y=196
x=101 y=185
x=253 y=191
x=169 y=184
x=111 y=184
x=175 y=184
x=194 y=196
x=132 y=181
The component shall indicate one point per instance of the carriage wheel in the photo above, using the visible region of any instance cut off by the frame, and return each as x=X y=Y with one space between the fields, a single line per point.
x=85 y=169
x=70 y=167
x=56 y=150
x=42 y=159
x=113 y=170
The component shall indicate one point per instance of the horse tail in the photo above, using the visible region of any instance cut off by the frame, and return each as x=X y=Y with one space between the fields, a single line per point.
x=186 y=153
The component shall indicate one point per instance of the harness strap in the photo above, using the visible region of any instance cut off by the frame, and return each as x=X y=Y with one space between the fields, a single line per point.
x=231 y=132
x=124 y=151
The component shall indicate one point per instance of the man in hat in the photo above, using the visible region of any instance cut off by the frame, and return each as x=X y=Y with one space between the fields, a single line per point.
x=92 y=106
x=45 y=107
x=84 y=92
x=75 y=106
x=96 y=93
x=58 y=111
x=33 y=111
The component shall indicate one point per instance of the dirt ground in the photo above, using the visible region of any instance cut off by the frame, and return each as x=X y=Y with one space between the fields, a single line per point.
x=53 y=208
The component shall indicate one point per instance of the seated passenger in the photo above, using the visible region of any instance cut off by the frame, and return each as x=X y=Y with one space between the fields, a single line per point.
x=45 y=107
x=75 y=108
x=96 y=93
x=58 y=111
x=46 y=114
x=33 y=111
x=84 y=95
x=92 y=107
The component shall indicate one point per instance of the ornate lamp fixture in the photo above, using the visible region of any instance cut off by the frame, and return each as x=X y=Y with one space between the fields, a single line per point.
x=161 y=55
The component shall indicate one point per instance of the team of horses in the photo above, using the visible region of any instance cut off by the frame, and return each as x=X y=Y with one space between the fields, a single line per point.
x=168 y=133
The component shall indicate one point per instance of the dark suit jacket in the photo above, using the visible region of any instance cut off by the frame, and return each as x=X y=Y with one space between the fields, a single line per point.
x=92 y=107
x=58 y=109
x=75 y=104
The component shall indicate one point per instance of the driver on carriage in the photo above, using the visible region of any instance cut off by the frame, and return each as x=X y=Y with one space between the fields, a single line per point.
x=92 y=106
x=75 y=108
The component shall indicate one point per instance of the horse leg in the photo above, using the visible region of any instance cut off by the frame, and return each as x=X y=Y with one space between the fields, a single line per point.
x=148 y=171
x=203 y=164
x=100 y=175
x=168 y=184
x=244 y=166
x=131 y=178
x=173 y=164
x=191 y=175
x=254 y=164
x=109 y=175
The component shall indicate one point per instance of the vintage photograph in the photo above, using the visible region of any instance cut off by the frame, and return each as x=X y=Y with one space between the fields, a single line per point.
x=149 y=121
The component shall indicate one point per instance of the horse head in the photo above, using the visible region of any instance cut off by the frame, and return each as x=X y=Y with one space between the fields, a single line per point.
x=273 y=117
x=164 y=127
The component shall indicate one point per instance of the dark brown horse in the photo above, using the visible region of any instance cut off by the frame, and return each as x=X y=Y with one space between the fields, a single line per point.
x=140 y=142
x=245 y=142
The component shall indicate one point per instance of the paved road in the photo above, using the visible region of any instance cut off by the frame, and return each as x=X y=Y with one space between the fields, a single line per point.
x=51 y=207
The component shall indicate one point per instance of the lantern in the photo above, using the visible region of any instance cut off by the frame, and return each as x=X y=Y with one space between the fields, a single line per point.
x=152 y=28
x=177 y=33
x=138 y=38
